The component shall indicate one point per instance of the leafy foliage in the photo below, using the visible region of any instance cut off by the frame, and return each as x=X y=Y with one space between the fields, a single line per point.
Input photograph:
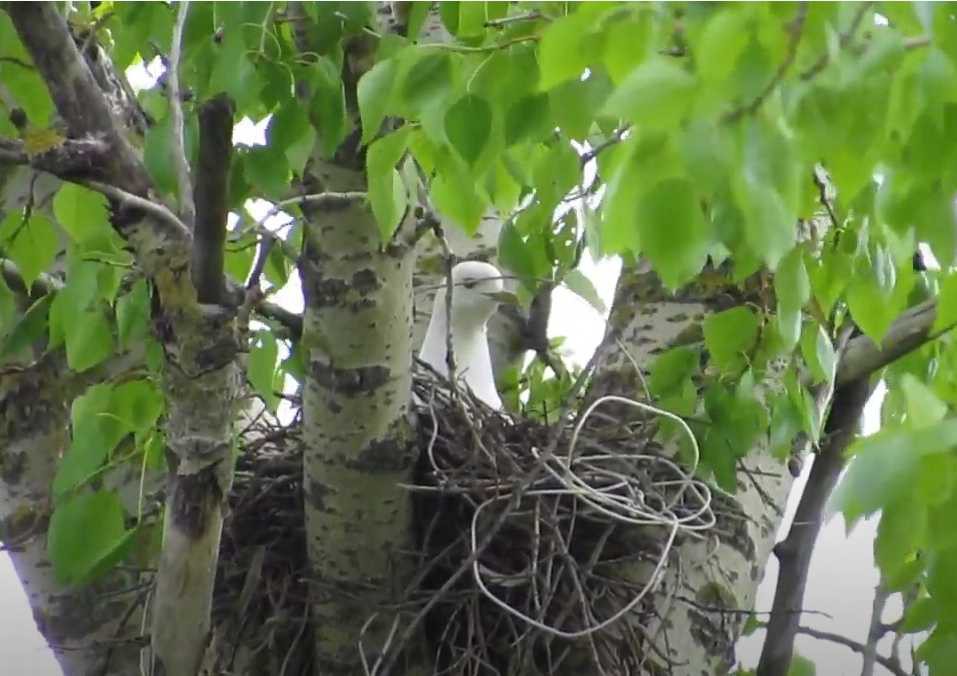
x=798 y=153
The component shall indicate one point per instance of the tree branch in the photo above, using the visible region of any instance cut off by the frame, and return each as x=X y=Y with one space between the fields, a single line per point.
x=41 y=286
x=187 y=208
x=876 y=630
x=794 y=552
x=862 y=356
x=211 y=196
x=890 y=664
x=74 y=90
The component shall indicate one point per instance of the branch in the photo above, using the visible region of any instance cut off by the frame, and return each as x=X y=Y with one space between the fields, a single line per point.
x=890 y=664
x=211 y=198
x=187 y=208
x=794 y=552
x=876 y=630
x=159 y=212
x=843 y=41
x=288 y=318
x=41 y=286
x=795 y=29
x=78 y=99
x=862 y=356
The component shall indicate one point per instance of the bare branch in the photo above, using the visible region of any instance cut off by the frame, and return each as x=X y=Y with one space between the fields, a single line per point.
x=911 y=330
x=875 y=631
x=187 y=208
x=795 y=551
x=211 y=196
x=892 y=665
x=159 y=212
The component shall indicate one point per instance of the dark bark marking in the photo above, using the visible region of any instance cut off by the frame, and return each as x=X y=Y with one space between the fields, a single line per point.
x=350 y=382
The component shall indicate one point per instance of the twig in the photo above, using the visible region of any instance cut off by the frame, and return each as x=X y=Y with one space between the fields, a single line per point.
x=159 y=212
x=615 y=139
x=449 y=286
x=178 y=146
x=890 y=664
x=876 y=630
x=795 y=29
x=843 y=41
x=824 y=199
x=517 y=18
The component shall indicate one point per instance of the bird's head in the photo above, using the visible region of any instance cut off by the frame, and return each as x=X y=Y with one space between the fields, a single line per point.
x=476 y=285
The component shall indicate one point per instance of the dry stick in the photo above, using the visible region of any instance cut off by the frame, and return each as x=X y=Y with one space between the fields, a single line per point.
x=876 y=630
x=178 y=146
x=794 y=552
x=890 y=664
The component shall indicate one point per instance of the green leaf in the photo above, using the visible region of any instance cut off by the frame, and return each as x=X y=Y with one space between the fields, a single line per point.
x=564 y=50
x=468 y=123
x=801 y=666
x=946 y=304
x=672 y=369
x=672 y=231
x=885 y=466
x=138 y=403
x=262 y=367
x=89 y=341
x=899 y=535
x=133 y=315
x=657 y=93
x=81 y=212
x=729 y=336
x=327 y=110
x=267 y=168
x=818 y=352
x=426 y=81
x=719 y=46
x=29 y=329
x=233 y=72
x=387 y=193
x=86 y=536
x=374 y=92
x=792 y=286
x=583 y=287
x=529 y=118
x=920 y=615
x=31 y=245
x=290 y=131
x=923 y=406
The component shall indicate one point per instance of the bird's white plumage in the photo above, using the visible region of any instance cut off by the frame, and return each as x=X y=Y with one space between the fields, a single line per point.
x=472 y=306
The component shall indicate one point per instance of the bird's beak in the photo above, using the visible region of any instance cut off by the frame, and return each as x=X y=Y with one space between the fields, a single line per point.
x=504 y=297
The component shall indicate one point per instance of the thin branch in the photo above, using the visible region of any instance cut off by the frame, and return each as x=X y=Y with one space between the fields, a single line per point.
x=211 y=198
x=187 y=208
x=876 y=630
x=159 y=212
x=795 y=31
x=890 y=664
x=843 y=41
x=516 y=18
x=795 y=551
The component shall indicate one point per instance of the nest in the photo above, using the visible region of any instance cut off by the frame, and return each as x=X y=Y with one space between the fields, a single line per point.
x=540 y=546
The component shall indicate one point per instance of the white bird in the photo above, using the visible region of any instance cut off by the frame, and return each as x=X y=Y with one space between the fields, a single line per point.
x=475 y=285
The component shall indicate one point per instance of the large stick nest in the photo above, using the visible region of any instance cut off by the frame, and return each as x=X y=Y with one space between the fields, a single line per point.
x=539 y=546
